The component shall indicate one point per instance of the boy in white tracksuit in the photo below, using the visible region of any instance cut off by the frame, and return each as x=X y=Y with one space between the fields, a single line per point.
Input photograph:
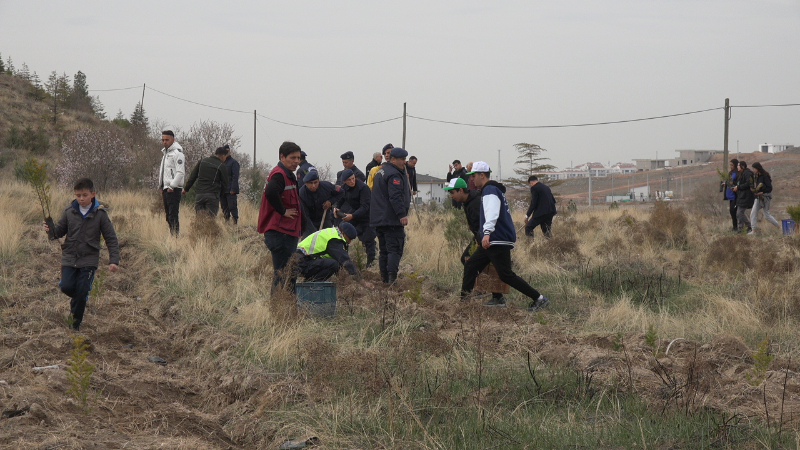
x=170 y=179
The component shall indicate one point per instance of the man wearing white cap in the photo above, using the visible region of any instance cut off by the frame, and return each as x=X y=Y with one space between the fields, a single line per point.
x=498 y=239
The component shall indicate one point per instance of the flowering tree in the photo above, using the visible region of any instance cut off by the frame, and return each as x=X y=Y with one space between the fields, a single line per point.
x=102 y=154
x=203 y=138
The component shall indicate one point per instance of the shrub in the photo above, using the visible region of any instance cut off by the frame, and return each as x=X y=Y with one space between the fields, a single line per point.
x=667 y=225
x=102 y=154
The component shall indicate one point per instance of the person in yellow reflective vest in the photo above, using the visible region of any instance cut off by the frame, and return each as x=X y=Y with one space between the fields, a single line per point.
x=323 y=253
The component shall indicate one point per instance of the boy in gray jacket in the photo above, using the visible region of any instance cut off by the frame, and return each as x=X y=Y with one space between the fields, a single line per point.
x=83 y=222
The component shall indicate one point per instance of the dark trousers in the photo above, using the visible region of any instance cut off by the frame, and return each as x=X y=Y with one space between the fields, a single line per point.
x=366 y=234
x=546 y=222
x=465 y=257
x=391 y=241
x=733 y=215
x=500 y=256
x=230 y=206
x=172 y=204
x=207 y=202
x=281 y=246
x=76 y=282
x=315 y=269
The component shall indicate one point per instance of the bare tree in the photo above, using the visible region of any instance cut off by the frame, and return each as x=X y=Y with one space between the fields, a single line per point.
x=203 y=138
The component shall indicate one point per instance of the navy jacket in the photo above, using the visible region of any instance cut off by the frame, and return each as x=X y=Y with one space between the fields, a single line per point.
x=358 y=173
x=495 y=216
x=303 y=169
x=311 y=204
x=233 y=175
x=542 y=201
x=472 y=209
x=391 y=197
x=356 y=201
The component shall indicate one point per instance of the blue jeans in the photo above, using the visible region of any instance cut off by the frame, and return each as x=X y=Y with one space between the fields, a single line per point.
x=76 y=282
x=281 y=246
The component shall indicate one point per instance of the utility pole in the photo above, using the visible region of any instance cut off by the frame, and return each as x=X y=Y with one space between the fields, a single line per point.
x=648 y=184
x=144 y=86
x=55 y=101
x=255 y=120
x=612 y=186
x=590 y=186
x=725 y=145
x=499 y=168
x=404 y=125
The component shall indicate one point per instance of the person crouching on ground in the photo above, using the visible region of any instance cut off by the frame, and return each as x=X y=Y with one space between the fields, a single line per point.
x=498 y=239
x=83 y=222
x=322 y=254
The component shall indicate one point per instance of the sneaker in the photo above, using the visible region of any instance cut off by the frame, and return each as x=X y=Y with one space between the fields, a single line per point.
x=496 y=301
x=751 y=232
x=540 y=303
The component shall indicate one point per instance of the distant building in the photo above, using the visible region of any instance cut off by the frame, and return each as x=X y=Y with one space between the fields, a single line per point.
x=622 y=168
x=689 y=157
x=650 y=164
x=773 y=148
x=431 y=189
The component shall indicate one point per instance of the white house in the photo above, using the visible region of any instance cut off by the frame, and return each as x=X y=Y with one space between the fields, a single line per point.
x=431 y=189
x=773 y=148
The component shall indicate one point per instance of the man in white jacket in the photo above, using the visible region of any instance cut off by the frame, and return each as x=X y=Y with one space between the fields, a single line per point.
x=170 y=179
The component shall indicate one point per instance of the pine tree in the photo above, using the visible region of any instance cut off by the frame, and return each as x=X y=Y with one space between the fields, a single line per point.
x=24 y=72
x=2 y=64
x=79 y=96
x=139 y=121
x=10 y=65
x=530 y=162
x=36 y=91
x=98 y=108
x=121 y=121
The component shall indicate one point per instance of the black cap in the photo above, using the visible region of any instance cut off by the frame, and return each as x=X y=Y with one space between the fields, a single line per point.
x=348 y=155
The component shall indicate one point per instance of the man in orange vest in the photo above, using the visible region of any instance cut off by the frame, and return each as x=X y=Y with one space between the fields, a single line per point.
x=279 y=215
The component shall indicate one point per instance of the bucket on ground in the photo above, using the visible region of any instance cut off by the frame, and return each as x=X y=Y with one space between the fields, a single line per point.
x=788 y=227
x=318 y=298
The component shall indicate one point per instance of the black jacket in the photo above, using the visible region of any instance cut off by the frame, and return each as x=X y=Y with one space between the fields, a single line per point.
x=542 y=201
x=461 y=173
x=311 y=204
x=233 y=175
x=81 y=248
x=211 y=175
x=372 y=163
x=472 y=209
x=412 y=177
x=744 y=193
x=303 y=169
x=356 y=201
x=391 y=196
x=763 y=183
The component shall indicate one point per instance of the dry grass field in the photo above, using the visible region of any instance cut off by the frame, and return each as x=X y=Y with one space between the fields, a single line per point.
x=665 y=331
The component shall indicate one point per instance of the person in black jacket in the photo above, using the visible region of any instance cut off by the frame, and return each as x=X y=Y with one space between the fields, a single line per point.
x=763 y=194
x=304 y=168
x=388 y=214
x=377 y=159
x=471 y=201
x=542 y=208
x=411 y=170
x=728 y=194
x=211 y=175
x=347 y=163
x=354 y=207
x=744 y=195
x=228 y=200
x=317 y=196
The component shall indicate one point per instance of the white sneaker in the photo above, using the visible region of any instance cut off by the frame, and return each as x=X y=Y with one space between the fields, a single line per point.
x=752 y=232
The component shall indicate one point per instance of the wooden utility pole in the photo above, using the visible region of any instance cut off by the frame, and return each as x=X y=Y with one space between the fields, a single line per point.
x=255 y=123
x=144 y=86
x=725 y=146
x=404 y=125
x=55 y=100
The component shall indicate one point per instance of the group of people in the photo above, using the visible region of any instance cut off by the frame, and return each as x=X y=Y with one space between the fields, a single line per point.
x=296 y=204
x=216 y=178
x=748 y=189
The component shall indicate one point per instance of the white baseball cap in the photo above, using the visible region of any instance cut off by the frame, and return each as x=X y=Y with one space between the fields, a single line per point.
x=480 y=166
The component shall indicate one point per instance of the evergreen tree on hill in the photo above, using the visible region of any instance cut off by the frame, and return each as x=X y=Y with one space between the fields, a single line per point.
x=2 y=64
x=139 y=122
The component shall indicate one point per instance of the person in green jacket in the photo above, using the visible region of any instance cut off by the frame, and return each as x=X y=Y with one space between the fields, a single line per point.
x=211 y=175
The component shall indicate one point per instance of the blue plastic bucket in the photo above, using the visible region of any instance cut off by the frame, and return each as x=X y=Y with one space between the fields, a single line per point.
x=318 y=298
x=788 y=227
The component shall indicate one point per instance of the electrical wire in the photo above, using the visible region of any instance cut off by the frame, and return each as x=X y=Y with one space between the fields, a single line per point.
x=764 y=106
x=118 y=89
x=198 y=103
x=332 y=127
x=566 y=126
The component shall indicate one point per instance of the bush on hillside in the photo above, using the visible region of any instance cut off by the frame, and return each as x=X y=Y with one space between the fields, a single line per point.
x=102 y=154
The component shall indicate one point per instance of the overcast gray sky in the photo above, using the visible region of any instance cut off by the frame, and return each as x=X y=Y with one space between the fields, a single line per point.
x=525 y=63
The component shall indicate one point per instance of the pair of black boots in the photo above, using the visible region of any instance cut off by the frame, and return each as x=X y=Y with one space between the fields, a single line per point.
x=389 y=277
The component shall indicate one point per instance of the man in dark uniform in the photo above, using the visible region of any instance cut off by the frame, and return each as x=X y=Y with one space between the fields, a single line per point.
x=542 y=209
x=471 y=201
x=228 y=201
x=347 y=163
x=317 y=196
x=322 y=254
x=304 y=167
x=391 y=198
x=353 y=207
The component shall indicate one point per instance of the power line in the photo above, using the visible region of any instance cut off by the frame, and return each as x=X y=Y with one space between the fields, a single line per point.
x=198 y=103
x=118 y=89
x=764 y=106
x=332 y=127
x=565 y=126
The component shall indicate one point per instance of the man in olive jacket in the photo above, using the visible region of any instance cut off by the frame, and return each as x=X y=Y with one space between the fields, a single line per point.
x=83 y=222
x=211 y=175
